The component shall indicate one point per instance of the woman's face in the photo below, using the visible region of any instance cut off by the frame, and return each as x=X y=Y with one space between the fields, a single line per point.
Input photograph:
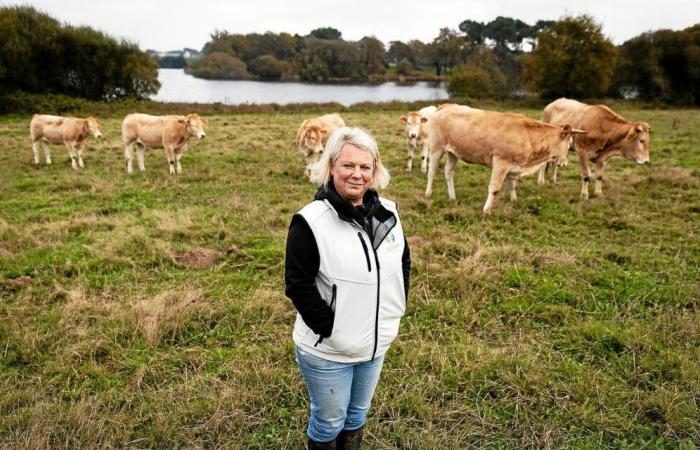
x=353 y=173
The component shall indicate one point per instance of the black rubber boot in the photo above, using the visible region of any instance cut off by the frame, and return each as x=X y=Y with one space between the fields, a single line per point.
x=350 y=439
x=313 y=445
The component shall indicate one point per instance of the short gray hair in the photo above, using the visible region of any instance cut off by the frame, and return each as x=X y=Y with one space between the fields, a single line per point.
x=357 y=137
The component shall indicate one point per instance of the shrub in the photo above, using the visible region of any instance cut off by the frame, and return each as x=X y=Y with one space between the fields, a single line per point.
x=219 y=65
x=404 y=67
x=470 y=80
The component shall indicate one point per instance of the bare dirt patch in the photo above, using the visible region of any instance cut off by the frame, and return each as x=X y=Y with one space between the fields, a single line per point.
x=200 y=258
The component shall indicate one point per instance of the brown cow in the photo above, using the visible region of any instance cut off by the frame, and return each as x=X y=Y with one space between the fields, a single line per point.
x=313 y=134
x=417 y=130
x=170 y=133
x=70 y=131
x=510 y=144
x=608 y=134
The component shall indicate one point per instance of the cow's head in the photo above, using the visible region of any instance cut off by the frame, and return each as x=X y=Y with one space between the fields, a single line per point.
x=636 y=144
x=313 y=139
x=91 y=127
x=413 y=121
x=565 y=143
x=194 y=125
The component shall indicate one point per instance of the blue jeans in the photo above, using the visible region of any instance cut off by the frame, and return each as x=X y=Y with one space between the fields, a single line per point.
x=340 y=393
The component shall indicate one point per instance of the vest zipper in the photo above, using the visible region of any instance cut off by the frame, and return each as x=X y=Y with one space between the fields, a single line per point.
x=376 y=317
x=364 y=247
x=333 y=295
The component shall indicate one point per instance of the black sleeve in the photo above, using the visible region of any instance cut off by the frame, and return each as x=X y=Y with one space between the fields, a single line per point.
x=300 y=268
x=406 y=263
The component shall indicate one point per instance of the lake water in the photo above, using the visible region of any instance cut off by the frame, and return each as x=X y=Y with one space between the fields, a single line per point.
x=177 y=86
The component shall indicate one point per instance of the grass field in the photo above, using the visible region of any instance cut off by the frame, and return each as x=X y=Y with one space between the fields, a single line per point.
x=149 y=311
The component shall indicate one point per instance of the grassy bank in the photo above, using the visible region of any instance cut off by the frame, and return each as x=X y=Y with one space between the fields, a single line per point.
x=148 y=311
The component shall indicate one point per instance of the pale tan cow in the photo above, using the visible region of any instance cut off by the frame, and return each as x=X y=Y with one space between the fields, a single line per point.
x=417 y=130
x=69 y=131
x=608 y=135
x=313 y=134
x=170 y=133
x=510 y=144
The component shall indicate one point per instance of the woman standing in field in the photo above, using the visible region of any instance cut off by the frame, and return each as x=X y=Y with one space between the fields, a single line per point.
x=346 y=270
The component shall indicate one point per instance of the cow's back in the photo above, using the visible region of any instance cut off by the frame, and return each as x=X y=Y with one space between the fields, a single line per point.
x=145 y=128
x=44 y=126
x=464 y=131
x=563 y=111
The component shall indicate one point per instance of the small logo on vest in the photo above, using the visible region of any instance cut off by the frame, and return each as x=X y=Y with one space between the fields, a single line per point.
x=390 y=241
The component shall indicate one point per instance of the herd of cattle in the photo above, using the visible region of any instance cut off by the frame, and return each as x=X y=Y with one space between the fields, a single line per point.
x=512 y=145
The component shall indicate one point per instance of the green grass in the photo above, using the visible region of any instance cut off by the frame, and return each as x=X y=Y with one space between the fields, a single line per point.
x=554 y=323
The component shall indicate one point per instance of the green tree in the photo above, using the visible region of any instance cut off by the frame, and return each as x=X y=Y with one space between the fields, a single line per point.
x=38 y=54
x=573 y=59
x=661 y=65
x=398 y=51
x=372 y=50
x=268 y=67
x=326 y=33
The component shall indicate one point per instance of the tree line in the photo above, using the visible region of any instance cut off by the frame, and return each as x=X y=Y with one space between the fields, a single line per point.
x=501 y=58
x=40 y=55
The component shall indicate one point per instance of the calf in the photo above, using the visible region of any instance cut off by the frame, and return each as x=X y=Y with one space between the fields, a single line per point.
x=69 y=131
x=313 y=134
x=608 y=134
x=170 y=133
x=510 y=144
x=417 y=131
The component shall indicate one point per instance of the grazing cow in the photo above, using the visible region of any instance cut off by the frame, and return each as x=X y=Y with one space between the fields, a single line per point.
x=510 y=144
x=417 y=129
x=70 y=131
x=170 y=133
x=313 y=134
x=608 y=134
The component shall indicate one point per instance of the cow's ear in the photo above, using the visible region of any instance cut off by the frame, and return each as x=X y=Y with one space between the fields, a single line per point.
x=205 y=121
x=182 y=121
x=403 y=119
x=86 y=126
x=639 y=129
x=323 y=131
x=423 y=119
x=566 y=131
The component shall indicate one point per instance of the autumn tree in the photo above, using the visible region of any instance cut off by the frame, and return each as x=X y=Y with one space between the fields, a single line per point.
x=573 y=58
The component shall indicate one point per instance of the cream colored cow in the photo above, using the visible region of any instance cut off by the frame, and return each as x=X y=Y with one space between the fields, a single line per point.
x=510 y=144
x=417 y=130
x=69 y=131
x=608 y=135
x=313 y=134
x=170 y=133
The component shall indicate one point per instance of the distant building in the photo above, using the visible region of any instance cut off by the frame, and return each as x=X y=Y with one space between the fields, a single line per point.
x=175 y=59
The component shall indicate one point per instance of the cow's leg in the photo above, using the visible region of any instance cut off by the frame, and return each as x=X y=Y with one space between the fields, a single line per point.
x=409 y=162
x=47 y=152
x=585 y=174
x=498 y=175
x=433 y=165
x=129 y=156
x=71 y=152
x=449 y=174
x=554 y=172
x=139 y=157
x=541 y=175
x=599 y=169
x=178 y=155
x=81 y=147
x=170 y=155
x=424 y=157
x=35 y=150
x=513 y=184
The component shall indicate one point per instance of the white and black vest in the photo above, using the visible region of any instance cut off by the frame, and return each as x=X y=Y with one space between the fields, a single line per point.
x=361 y=280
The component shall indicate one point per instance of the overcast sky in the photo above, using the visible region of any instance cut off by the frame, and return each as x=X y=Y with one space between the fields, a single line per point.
x=176 y=24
